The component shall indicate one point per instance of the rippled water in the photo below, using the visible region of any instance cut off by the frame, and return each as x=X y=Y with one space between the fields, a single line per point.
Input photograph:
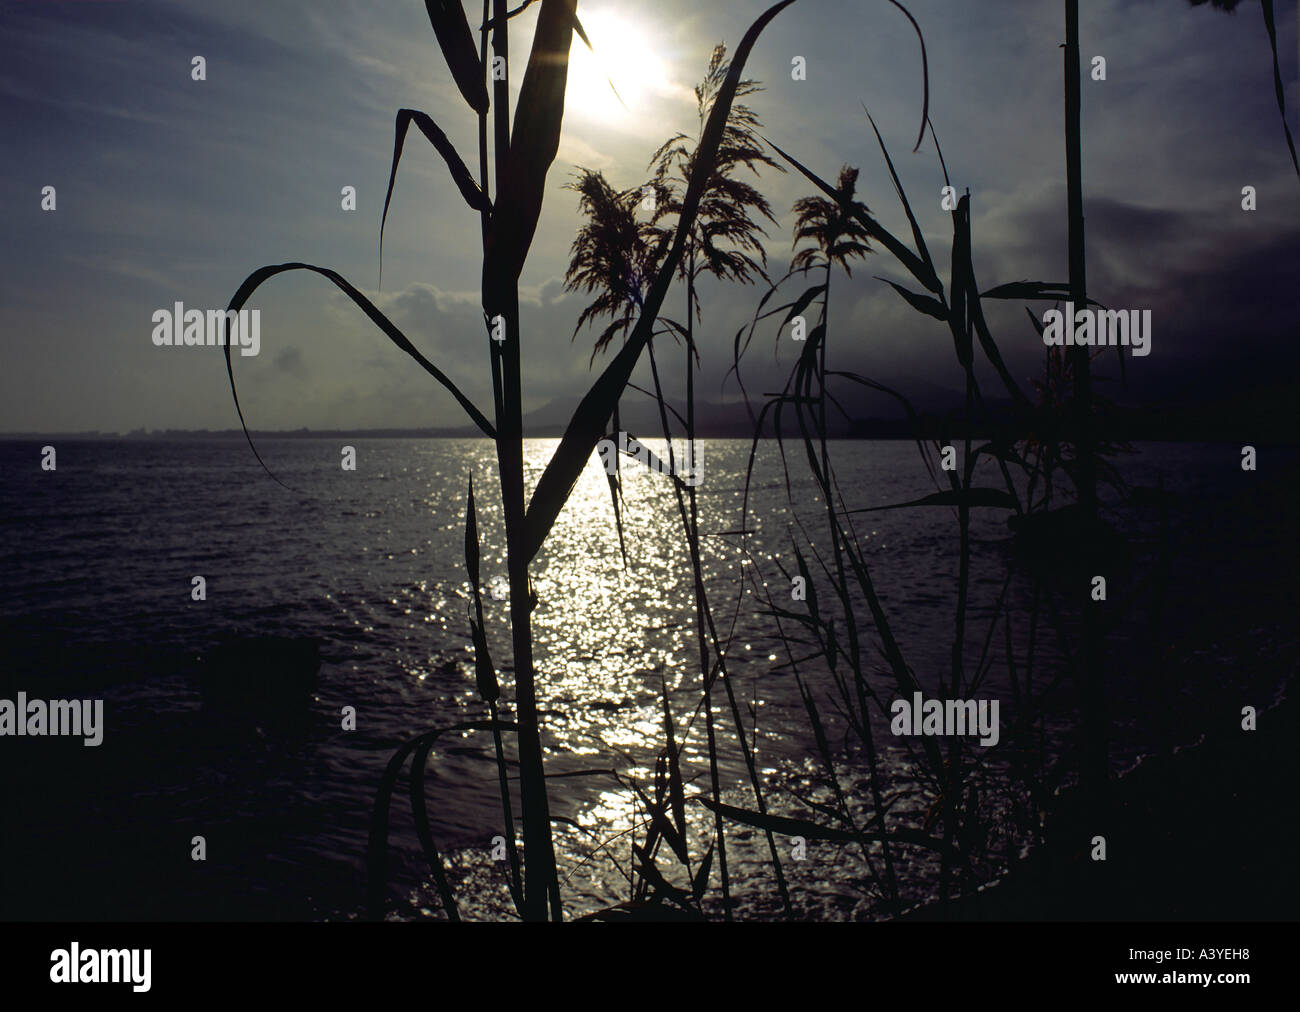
x=95 y=595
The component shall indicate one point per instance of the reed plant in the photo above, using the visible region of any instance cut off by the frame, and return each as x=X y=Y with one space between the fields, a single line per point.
x=706 y=220
x=509 y=205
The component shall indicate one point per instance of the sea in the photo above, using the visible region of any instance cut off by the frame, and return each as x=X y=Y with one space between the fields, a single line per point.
x=98 y=601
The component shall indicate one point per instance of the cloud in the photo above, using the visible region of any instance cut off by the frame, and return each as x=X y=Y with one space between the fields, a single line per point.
x=171 y=189
x=290 y=361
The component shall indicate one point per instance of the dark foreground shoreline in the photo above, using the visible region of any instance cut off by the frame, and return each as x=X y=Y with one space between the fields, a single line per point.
x=1204 y=834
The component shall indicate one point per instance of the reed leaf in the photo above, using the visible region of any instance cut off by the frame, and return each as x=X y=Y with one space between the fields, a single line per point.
x=452 y=29
x=990 y=347
x=902 y=196
x=471 y=541
x=615 y=495
x=701 y=882
x=577 y=30
x=420 y=813
x=1031 y=291
x=389 y=328
x=925 y=74
x=921 y=303
x=796 y=307
x=460 y=174
x=1270 y=25
x=484 y=671
x=957 y=320
x=676 y=788
x=377 y=846
x=787 y=826
x=533 y=145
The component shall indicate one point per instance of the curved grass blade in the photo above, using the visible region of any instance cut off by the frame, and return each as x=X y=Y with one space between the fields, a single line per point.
x=921 y=303
x=484 y=671
x=802 y=827
x=653 y=461
x=796 y=307
x=384 y=323
x=898 y=190
x=701 y=882
x=1031 y=291
x=420 y=812
x=672 y=410
x=925 y=75
x=976 y=314
x=460 y=174
x=452 y=29
x=616 y=495
x=377 y=846
x=1270 y=26
x=471 y=546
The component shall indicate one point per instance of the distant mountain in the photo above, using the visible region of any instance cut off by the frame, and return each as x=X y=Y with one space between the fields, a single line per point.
x=639 y=415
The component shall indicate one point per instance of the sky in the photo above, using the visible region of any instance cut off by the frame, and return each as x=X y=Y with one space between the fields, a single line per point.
x=174 y=190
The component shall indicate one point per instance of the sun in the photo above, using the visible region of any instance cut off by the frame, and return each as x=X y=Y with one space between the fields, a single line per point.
x=626 y=57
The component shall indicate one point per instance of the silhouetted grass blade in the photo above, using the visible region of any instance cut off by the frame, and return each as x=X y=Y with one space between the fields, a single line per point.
x=802 y=827
x=389 y=328
x=460 y=173
x=796 y=307
x=420 y=813
x=533 y=144
x=1046 y=291
x=975 y=312
x=957 y=321
x=902 y=197
x=701 y=882
x=676 y=789
x=922 y=303
x=471 y=539
x=377 y=847
x=925 y=75
x=1270 y=24
x=452 y=29
x=615 y=493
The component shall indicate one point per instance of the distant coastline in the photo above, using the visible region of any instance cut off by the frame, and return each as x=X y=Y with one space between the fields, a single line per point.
x=1261 y=417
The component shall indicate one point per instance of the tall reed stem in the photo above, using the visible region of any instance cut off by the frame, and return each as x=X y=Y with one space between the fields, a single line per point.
x=1093 y=769
x=541 y=883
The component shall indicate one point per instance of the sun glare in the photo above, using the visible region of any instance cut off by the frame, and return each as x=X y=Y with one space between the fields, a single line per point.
x=625 y=57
